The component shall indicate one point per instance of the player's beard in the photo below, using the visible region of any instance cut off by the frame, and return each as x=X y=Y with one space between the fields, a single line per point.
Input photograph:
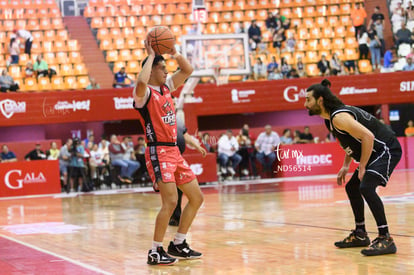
x=315 y=110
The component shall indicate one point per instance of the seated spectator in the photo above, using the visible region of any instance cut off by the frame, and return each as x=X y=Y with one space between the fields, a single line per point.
x=28 y=71
x=306 y=136
x=293 y=73
x=290 y=43
x=36 y=154
x=409 y=66
x=7 y=83
x=239 y=28
x=53 y=152
x=227 y=151
x=41 y=68
x=265 y=145
x=139 y=151
x=300 y=67
x=403 y=35
x=206 y=141
x=14 y=51
x=6 y=155
x=245 y=149
x=272 y=65
x=255 y=35
x=284 y=67
x=336 y=65
x=286 y=137
x=390 y=58
x=129 y=155
x=409 y=131
x=275 y=75
x=97 y=164
x=411 y=54
x=92 y=84
x=117 y=152
x=259 y=69
x=323 y=66
x=120 y=79
x=330 y=137
x=296 y=137
x=350 y=66
x=64 y=161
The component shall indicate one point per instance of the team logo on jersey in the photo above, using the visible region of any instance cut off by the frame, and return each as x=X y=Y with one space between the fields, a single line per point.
x=169 y=117
x=150 y=133
x=348 y=151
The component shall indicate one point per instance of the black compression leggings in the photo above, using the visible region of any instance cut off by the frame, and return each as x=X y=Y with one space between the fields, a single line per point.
x=358 y=191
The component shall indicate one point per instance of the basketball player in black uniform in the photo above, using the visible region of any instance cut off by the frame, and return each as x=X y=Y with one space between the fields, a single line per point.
x=371 y=143
x=183 y=138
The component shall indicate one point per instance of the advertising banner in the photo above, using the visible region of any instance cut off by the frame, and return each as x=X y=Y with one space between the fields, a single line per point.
x=24 y=178
x=204 y=168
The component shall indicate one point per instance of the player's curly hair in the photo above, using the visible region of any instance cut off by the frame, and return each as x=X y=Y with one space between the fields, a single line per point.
x=330 y=101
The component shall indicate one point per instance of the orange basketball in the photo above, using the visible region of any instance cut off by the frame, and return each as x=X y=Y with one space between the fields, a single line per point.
x=162 y=39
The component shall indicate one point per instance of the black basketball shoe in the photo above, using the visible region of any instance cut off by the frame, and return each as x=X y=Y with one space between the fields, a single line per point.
x=380 y=246
x=357 y=238
x=183 y=251
x=160 y=257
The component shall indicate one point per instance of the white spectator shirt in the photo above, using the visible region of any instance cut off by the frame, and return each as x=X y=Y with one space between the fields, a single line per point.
x=97 y=156
x=25 y=35
x=128 y=151
x=266 y=143
x=225 y=145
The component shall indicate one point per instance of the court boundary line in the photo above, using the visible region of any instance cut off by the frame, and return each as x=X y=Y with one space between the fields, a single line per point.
x=75 y=262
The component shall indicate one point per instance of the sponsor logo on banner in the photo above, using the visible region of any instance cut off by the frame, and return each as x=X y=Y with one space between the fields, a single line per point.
x=123 y=103
x=318 y=160
x=9 y=107
x=293 y=94
x=83 y=105
x=407 y=86
x=197 y=168
x=241 y=96
x=353 y=90
x=14 y=179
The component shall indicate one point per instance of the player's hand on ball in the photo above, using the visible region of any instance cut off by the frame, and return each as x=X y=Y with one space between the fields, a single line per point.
x=148 y=47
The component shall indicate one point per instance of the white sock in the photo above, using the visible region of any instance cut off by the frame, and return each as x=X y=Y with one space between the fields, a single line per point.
x=155 y=245
x=179 y=238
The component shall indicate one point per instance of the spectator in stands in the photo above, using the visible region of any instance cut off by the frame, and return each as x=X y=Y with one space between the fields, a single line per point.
x=7 y=83
x=64 y=161
x=300 y=67
x=403 y=35
x=28 y=71
x=358 y=16
x=116 y=152
x=284 y=67
x=272 y=65
x=293 y=73
x=36 y=154
x=330 y=137
x=323 y=66
x=306 y=136
x=336 y=65
x=296 y=137
x=290 y=43
x=398 y=17
x=409 y=131
x=77 y=166
x=92 y=84
x=40 y=67
x=286 y=137
x=350 y=66
x=96 y=163
x=409 y=66
x=7 y=155
x=411 y=54
x=271 y=22
x=259 y=69
x=410 y=12
x=28 y=38
x=14 y=51
x=390 y=58
x=276 y=74
x=139 y=150
x=120 y=78
x=206 y=141
x=239 y=28
x=227 y=151
x=377 y=20
x=91 y=138
x=245 y=149
x=374 y=47
x=363 y=43
x=255 y=35
x=265 y=145
x=53 y=152
x=129 y=155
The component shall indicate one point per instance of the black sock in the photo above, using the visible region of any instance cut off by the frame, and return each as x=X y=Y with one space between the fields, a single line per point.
x=360 y=226
x=383 y=230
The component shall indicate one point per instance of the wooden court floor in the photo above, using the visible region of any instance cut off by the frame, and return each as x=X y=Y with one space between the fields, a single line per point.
x=261 y=227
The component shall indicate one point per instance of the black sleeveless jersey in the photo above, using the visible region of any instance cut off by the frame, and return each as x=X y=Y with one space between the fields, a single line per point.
x=383 y=135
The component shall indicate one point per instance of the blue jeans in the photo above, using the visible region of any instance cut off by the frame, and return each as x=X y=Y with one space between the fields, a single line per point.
x=224 y=159
x=128 y=167
x=266 y=160
x=375 y=56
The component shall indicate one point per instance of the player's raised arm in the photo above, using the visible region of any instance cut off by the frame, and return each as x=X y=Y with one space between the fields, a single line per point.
x=185 y=69
x=144 y=76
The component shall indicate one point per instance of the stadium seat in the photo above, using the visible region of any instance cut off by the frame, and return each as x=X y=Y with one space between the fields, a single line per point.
x=70 y=83
x=111 y=56
x=315 y=33
x=320 y=22
x=311 y=57
x=125 y=55
x=80 y=69
x=43 y=83
x=59 y=45
x=364 y=66
x=82 y=81
x=351 y=54
x=62 y=57
x=308 y=23
x=15 y=72
x=23 y=59
x=57 y=83
x=327 y=32
x=132 y=67
x=103 y=33
x=106 y=44
x=66 y=70
x=338 y=43
x=325 y=43
x=73 y=45
x=131 y=43
x=30 y=84
x=75 y=57
x=118 y=65
x=312 y=70
x=138 y=54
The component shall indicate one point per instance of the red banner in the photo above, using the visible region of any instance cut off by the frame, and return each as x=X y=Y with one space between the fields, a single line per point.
x=204 y=168
x=29 y=178
x=251 y=96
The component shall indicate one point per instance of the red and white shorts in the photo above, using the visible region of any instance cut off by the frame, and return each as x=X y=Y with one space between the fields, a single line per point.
x=166 y=164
